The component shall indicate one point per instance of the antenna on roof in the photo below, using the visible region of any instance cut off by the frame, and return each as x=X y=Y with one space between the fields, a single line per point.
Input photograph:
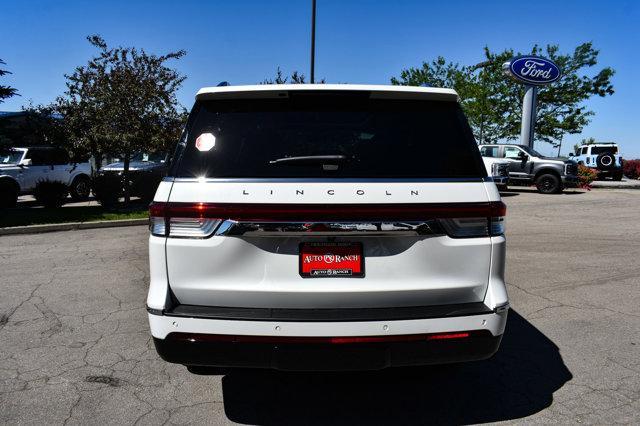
x=223 y=84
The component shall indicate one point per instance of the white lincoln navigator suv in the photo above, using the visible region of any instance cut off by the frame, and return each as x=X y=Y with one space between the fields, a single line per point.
x=326 y=227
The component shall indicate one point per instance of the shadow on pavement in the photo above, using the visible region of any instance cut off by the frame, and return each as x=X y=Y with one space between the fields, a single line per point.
x=509 y=194
x=517 y=382
x=29 y=201
x=527 y=190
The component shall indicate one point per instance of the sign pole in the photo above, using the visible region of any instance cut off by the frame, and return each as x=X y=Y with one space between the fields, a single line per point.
x=533 y=71
x=313 y=41
x=528 y=116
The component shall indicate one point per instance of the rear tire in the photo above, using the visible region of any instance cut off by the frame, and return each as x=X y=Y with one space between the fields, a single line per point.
x=548 y=184
x=617 y=176
x=8 y=195
x=80 y=188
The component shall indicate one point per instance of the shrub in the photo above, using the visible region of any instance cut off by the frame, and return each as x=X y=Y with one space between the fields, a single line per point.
x=8 y=193
x=145 y=184
x=50 y=193
x=107 y=188
x=586 y=175
x=631 y=169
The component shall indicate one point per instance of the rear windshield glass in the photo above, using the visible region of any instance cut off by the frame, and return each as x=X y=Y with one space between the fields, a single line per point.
x=595 y=150
x=337 y=136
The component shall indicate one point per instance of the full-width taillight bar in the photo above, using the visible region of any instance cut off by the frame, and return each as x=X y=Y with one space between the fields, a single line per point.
x=199 y=220
x=327 y=212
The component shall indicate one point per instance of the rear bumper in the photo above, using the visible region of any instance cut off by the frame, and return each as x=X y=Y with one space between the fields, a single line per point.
x=609 y=172
x=307 y=356
x=303 y=346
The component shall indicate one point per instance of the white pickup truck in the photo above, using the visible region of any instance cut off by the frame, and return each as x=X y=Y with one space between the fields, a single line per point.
x=498 y=169
x=22 y=168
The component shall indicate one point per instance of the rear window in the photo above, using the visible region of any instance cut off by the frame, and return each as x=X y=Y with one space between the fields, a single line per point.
x=341 y=135
x=595 y=150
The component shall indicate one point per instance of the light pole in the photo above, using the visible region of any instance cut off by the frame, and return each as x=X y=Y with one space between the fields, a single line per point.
x=313 y=40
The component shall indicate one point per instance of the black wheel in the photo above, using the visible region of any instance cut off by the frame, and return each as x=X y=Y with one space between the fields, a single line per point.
x=617 y=176
x=80 y=188
x=548 y=184
x=8 y=194
x=502 y=187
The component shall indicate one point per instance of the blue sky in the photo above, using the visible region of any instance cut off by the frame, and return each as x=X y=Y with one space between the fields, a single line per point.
x=357 y=42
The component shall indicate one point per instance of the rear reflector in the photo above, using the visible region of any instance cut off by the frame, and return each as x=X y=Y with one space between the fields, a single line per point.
x=460 y=219
x=193 y=337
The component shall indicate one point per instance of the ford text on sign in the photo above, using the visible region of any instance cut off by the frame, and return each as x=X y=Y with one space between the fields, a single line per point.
x=533 y=70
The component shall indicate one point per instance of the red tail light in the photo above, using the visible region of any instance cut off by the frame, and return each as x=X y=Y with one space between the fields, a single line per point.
x=328 y=212
x=459 y=219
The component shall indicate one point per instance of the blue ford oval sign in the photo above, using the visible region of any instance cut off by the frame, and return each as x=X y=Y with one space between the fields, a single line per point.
x=532 y=70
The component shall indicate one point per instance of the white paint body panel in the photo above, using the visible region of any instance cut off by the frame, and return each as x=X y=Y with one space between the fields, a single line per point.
x=279 y=90
x=162 y=325
x=225 y=191
x=263 y=272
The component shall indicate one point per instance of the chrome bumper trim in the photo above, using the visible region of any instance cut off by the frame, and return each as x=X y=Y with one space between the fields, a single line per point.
x=279 y=229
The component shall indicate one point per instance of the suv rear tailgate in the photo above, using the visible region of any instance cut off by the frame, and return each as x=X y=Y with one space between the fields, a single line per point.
x=263 y=271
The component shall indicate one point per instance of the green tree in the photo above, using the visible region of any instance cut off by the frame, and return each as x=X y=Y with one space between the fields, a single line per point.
x=6 y=91
x=295 y=78
x=42 y=125
x=493 y=103
x=121 y=102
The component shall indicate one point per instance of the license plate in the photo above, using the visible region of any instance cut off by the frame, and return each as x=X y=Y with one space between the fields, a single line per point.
x=331 y=260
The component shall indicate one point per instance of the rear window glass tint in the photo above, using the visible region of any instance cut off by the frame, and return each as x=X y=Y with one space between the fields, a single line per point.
x=373 y=138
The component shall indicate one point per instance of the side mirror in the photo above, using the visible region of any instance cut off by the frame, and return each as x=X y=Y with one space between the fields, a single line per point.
x=522 y=156
x=571 y=154
x=25 y=162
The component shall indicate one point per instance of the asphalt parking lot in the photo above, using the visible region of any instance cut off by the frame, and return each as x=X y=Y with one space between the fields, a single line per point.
x=75 y=346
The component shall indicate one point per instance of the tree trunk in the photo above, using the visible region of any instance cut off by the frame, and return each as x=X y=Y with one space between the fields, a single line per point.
x=97 y=155
x=125 y=178
x=559 y=147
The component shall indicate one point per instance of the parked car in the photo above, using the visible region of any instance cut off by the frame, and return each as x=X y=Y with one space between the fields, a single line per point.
x=318 y=227
x=527 y=166
x=498 y=169
x=145 y=173
x=602 y=157
x=21 y=169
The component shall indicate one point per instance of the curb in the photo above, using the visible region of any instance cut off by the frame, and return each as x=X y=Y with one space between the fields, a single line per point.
x=71 y=226
x=617 y=185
